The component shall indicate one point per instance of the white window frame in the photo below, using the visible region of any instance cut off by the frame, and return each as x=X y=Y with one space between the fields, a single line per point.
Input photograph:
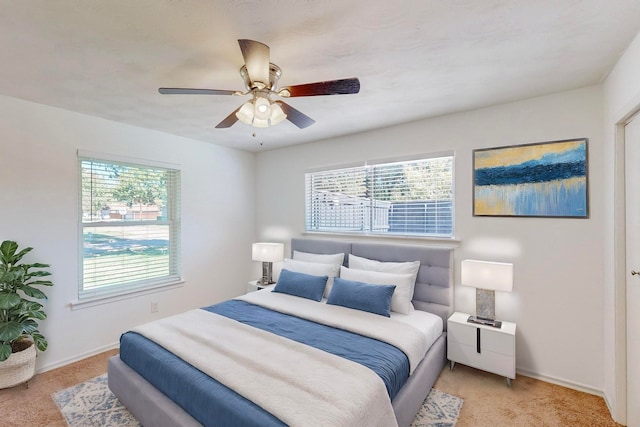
x=117 y=291
x=373 y=222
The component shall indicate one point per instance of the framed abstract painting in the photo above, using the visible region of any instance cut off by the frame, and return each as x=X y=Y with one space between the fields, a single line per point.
x=546 y=179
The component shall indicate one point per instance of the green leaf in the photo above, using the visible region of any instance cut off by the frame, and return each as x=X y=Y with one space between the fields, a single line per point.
x=5 y=351
x=37 y=314
x=7 y=249
x=17 y=257
x=30 y=326
x=33 y=292
x=9 y=300
x=39 y=273
x=41 y=343
x=41 y=282
x=39 y=265
x=31 y=305
x=9 y=276
x=9 y=331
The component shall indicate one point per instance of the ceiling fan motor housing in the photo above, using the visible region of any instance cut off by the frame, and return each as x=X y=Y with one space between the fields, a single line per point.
x=274 y=76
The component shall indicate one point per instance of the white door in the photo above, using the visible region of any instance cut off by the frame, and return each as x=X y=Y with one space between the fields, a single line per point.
x=632 y=190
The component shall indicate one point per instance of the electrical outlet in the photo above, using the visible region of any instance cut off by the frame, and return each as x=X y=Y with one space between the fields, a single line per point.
x=154 y=306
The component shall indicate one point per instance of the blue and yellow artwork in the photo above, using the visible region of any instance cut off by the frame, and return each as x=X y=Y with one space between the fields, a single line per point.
x=546 y=179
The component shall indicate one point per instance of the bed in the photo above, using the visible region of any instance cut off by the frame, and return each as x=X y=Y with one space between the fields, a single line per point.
x=136 y=388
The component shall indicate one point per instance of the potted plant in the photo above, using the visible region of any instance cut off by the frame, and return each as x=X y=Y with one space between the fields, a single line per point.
x=19 y=314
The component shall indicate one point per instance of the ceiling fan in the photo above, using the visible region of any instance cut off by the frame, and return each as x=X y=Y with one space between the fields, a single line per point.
x=261 y=79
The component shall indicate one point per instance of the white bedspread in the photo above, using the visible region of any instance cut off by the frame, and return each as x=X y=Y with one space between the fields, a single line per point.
x=399 y=334
x=299 y=384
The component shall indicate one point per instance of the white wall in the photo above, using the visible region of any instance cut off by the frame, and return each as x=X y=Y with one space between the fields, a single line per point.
x=621 y=98
x=557 y=296
x=39 y=208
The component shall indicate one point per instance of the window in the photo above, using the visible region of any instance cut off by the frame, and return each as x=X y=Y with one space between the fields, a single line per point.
x=402 y=198
x=130 y=226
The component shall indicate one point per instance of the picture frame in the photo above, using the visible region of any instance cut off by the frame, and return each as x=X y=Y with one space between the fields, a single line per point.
x=543 y=179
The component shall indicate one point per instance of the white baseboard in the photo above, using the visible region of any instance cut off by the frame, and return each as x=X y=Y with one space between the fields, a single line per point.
x=77 y=358
x=564 y=383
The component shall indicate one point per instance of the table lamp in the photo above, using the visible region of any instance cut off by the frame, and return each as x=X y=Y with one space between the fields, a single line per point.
x=268 y=253
x=487 y=277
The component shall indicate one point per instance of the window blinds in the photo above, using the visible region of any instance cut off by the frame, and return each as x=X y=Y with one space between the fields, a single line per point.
x=405 y=198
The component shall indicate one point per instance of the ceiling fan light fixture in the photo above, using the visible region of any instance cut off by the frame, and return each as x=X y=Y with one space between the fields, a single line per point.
x=260 y=112
x=262 y=108
x=245 y=113
x=277 y=115
x=260 y=123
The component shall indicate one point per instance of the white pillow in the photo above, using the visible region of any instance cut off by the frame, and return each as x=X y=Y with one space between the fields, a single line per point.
x=334 y=259
x=315 y=269
x=319 y=258
x=360 y=263
x=410 y=267
x=401 y=299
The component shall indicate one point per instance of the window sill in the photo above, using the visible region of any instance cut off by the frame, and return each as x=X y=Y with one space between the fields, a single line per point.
x=447 y=242
x=110 y=298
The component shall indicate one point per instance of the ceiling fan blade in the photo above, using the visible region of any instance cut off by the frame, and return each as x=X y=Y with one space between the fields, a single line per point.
x=229 y=121
x=256 y=59
x=296 y=117
x=185 y=91
x=331 y=87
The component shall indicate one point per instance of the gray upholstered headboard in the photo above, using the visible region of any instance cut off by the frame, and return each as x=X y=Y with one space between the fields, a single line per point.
x=434 y=285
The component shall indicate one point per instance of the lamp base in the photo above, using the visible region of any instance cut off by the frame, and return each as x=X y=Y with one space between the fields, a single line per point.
x=484 y=321
x=267 y=270
x=485 y=303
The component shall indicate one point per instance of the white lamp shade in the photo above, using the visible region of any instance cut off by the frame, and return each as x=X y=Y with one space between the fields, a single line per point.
x=259 y=123
x=245 y=113
x=267 y=252
x=277 y=115
x=262 y=108
x=495 y=276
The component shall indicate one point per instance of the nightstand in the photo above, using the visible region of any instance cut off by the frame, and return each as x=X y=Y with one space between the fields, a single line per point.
x=483 y=347
x=253 y=286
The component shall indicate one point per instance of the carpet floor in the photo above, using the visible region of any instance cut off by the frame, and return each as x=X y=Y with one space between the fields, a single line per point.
x=487 y=400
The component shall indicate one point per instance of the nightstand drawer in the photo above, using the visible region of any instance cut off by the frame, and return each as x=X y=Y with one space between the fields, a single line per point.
x=491 y=340
x=461 y=333
x=486 y=360
x=497 y=342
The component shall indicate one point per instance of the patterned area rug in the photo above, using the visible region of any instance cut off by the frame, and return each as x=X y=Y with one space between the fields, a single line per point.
x=91 y=404
x=438 y=410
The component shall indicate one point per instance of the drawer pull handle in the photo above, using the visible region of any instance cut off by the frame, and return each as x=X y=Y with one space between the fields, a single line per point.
x=478 y=340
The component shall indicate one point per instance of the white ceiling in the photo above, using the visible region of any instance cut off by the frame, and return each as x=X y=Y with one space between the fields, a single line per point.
x=415 y=59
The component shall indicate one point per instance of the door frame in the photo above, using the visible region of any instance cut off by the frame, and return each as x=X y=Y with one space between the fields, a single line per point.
x=619 y=411
x=620 y=269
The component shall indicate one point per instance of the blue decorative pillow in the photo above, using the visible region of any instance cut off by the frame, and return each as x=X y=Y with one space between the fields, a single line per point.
x=301 y=285
x=362 y=296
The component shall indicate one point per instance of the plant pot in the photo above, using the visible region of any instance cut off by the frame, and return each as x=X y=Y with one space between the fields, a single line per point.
x=19 y=368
